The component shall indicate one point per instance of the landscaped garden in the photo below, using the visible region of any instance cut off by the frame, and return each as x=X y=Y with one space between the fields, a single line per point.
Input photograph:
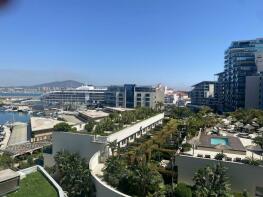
x=35 y=185
x=144 y=167
x=113 y=123
x=136 y=170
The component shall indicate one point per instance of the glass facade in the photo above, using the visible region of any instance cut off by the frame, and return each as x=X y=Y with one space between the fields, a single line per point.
x=75 y=97
x=203 y=94
x=239 y=63
x=129 y=95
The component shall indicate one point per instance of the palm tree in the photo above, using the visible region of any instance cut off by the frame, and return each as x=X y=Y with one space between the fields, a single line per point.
x=159 y=106
x=75 y=177
x=211 y=181
x=145 y=179
x=259 y=141
x=113 y=146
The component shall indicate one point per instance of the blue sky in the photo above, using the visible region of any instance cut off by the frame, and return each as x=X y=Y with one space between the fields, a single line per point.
x=174 y=42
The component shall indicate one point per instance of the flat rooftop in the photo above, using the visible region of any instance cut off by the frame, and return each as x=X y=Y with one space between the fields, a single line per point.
x=94 y=114
x=7 y=174
x=19 y=134
x=118 y=109
x=70 y=118
x=234 y=142
x=39 y=123
x=21 y=149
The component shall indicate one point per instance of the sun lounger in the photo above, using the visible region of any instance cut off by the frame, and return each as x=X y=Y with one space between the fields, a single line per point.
x=228 y=159
x=237 y=159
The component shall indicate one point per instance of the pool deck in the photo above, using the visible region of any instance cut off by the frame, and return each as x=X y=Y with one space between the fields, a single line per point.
x=233 y=142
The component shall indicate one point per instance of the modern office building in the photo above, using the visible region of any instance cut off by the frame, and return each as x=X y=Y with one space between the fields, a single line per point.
x=82 y=95
x=131 y=96
x=204 y=94
x=127 y=96
x=239 y=63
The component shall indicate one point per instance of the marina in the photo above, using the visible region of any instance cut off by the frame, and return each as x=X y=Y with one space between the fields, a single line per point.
x=8 y=117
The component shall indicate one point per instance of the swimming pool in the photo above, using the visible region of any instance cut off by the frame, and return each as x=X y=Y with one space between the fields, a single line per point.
x=216 y=141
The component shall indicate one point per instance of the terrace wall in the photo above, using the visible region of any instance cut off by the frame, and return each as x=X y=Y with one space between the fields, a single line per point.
x=76 y=143
x=241 y=176
x=102 y=188
x=40 y=169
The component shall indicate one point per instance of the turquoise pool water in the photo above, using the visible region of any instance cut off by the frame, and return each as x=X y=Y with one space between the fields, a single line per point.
x=216 y=141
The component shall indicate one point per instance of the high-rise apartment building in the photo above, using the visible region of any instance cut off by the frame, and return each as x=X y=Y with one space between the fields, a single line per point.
x=239 y=63
x=204 y=94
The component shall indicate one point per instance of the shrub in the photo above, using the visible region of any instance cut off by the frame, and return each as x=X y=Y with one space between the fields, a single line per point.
x=89 y=126
x=63 y=127
x=220 y=156
x=186 y=147
x=182 y=190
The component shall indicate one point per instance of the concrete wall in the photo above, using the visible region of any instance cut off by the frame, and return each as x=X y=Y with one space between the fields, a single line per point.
x=241 y=176
x=252 y=92
x=102 y=188
x=75 y=143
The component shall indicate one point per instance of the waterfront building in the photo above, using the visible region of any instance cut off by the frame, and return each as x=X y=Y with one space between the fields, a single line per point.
x=127 y=96
x=131 y=96
x=82 y=95
x=204 y=94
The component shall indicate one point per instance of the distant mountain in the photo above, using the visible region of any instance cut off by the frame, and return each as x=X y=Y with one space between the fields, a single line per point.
x=59 y=84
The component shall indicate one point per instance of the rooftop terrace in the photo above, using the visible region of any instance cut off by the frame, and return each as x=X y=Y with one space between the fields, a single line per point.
x=233 y=142
x=35 y=185
x=93 y=114
x=39 y=123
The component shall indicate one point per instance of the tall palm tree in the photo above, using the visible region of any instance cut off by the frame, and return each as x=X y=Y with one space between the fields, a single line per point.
x=212 y=181
x=74 y=174
x=113 y=146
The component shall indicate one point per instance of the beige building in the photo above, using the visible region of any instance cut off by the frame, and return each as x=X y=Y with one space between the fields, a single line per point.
x=42 y=128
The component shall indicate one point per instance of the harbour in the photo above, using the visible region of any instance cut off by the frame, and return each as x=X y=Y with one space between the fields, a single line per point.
x=10 y=117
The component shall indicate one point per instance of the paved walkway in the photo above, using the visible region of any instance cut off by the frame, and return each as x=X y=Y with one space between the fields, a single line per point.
x=19 y=134
x=98 y=169
x=6 y=139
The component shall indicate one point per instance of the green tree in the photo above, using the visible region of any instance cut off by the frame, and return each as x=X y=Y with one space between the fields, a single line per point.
x=75 y=177
x=259 y=141
x=6 y=161
x=113 y=146
x=182 y=190
x=63 y=127
x=144 y=179
x=114 y=169
x=211 y=181
x=89 y=126
x=30 y=160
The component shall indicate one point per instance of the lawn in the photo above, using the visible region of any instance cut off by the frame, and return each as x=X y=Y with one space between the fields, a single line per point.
x=35 y=185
